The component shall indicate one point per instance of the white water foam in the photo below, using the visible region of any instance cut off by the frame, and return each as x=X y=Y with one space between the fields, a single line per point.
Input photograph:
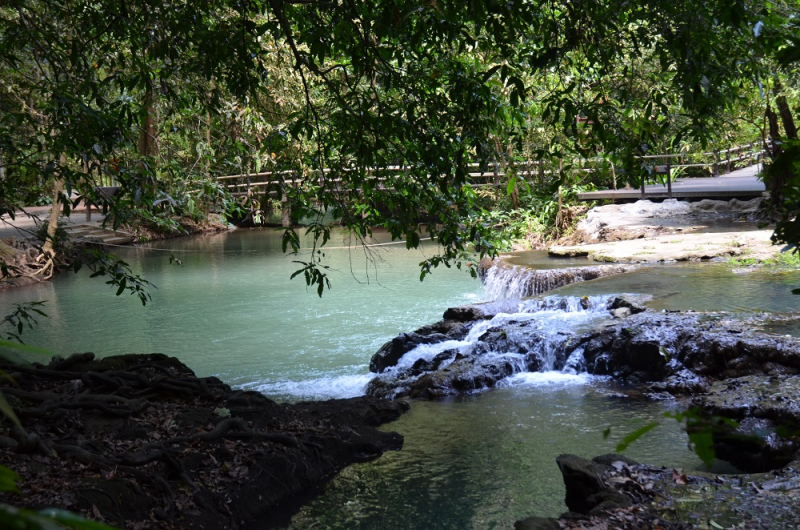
x=428 y=352
x=538 y=379
x=335 y=387
x=547 y=325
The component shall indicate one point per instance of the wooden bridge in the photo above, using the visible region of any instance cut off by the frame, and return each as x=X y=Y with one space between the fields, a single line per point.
x=741 y=183
x=723 y=180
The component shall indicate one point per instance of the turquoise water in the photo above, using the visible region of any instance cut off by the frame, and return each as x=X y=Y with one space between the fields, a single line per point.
x=480 y=461
x=231 y=310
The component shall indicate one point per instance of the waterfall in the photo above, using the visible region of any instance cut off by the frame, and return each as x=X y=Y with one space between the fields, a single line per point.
x=503 y=281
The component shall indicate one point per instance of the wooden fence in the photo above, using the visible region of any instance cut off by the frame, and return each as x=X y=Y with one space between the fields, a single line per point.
x=274 y=183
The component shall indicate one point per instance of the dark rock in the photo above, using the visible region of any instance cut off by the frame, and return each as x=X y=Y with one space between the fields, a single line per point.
x=452 y=329
x=612 y=458
x=684 y=383
x=391 y=352
x=147 y=444
x=467 y=313
x=622 y=302
x=461 y=377
x=587 y=491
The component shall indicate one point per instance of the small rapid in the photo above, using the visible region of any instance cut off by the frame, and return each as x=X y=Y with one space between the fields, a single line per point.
x=533 y=336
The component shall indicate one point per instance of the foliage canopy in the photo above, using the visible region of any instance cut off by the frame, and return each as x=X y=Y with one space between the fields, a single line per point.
x=163 y=96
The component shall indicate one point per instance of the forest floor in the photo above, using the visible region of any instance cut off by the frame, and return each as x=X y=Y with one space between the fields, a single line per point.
x=673 y=230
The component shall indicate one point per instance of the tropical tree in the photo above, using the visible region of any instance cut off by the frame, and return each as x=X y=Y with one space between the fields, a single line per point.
x=161 y=95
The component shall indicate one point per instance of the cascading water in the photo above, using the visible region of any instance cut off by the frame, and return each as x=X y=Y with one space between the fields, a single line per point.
x=503 y=281
x=536 y=336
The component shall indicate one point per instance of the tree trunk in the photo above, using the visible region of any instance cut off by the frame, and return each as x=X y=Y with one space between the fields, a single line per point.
x=208 y=144
x=52 y=222
x=774 y=179
x=147 y=137
x=786 y=118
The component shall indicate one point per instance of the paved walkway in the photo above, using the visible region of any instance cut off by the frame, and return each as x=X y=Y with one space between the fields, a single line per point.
x=742 y=183
x=25 y=221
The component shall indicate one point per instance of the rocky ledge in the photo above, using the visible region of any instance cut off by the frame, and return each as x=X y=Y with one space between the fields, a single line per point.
x=723 y=365
x=671 y=230
x=139 y=441
x=612 y=491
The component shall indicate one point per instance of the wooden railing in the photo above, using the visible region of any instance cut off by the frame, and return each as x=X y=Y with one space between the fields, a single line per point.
x=274 y=183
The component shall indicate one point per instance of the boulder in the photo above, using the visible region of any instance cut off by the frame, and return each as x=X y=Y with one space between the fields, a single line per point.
x=587 y=491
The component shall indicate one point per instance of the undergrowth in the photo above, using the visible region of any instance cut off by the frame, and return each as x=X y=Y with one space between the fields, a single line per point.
x=787 y=259
x=528 y=220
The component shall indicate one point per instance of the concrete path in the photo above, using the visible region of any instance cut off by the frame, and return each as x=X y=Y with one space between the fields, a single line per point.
x=24 y=225
x=742 y=183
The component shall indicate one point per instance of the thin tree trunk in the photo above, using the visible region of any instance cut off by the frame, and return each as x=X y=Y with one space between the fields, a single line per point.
x=147 y=137
x=52 y=222
x=786 y=118
x=208 y=144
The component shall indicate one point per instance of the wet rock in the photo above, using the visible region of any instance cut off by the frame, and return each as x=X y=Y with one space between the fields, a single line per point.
x=769 y=414
x=765 y=500
x=623 y=302
x=464 y=313
x=621 y=312
x=452 y=329
x=484 y=311
x=683 y=383
x=587 y=491
x=461 y=377
x=392 y=351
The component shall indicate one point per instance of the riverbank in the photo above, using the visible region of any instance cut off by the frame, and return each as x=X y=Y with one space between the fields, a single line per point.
x=139 y=441
x=20 y=249
x=646 y=232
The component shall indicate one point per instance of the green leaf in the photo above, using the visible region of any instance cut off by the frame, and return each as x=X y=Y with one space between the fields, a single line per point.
x=8 y=479
x=121 y=288
x=7 y=411
x=13 y=345
x=74 y=520
x=512 y=185
x=703 y=443
x=635 y=435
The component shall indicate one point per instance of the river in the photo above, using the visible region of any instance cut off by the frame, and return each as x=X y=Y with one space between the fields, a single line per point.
x=480 y=461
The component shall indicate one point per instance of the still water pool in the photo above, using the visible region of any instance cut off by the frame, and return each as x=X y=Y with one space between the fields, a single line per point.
x=480 y=461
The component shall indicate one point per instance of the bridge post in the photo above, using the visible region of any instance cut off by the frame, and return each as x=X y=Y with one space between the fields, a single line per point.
x=728 y=168
x=643 y=181
x=716 y=163
x=669 y=179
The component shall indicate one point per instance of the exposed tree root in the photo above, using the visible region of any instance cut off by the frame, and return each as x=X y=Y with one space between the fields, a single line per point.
x=141 y=442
